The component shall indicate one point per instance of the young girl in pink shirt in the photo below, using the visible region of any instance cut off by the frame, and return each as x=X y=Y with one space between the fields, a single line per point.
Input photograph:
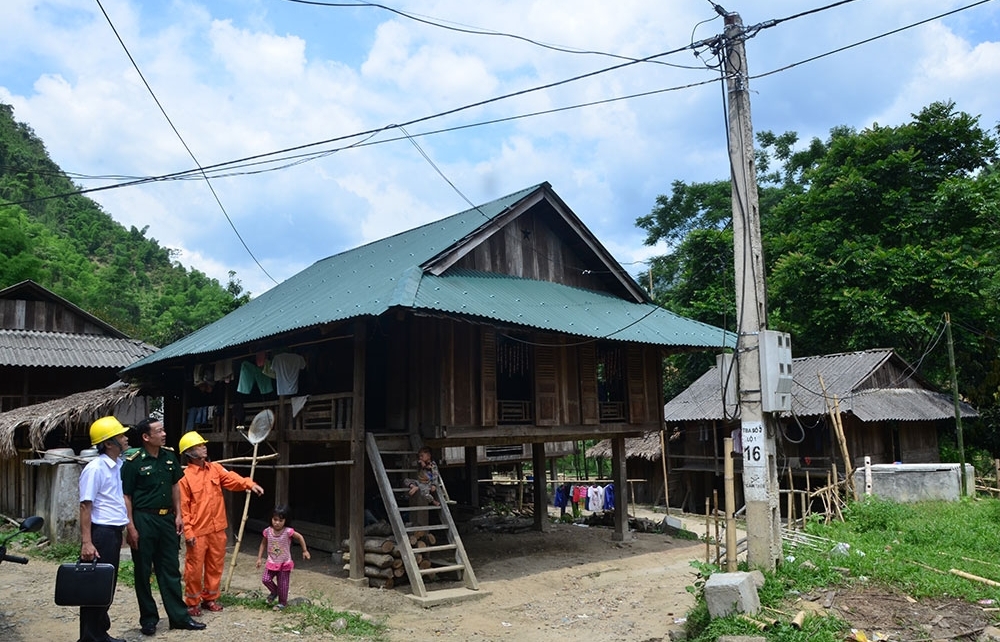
x=277 y=542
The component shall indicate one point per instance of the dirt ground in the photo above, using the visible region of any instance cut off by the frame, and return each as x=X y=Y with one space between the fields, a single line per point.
x=570 y=581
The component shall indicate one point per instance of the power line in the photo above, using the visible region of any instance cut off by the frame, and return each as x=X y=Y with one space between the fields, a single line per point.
x=186 y=174
x=860 y=42
x=712 y=42
x=460 y=28
x=183 y=142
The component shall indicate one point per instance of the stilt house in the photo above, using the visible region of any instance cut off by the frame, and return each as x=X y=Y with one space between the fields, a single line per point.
x=506 y=324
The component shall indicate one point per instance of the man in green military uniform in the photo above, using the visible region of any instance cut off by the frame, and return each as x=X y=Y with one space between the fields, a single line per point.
x=153 y=501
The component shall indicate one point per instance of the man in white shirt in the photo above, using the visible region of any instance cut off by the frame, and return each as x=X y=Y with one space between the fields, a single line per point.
x=102 y=516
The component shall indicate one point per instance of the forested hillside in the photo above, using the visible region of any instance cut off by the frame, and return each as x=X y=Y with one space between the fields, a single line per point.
x=72 y=247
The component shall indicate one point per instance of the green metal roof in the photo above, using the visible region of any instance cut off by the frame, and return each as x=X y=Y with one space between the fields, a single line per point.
x=560 y=308
x=373 y=278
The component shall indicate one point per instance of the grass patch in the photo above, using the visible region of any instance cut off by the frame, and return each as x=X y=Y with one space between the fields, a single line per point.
x=882 y=543
x=315 y=617
x=62 y=552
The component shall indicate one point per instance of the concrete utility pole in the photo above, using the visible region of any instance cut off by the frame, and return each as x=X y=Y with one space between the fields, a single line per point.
x=760 y=476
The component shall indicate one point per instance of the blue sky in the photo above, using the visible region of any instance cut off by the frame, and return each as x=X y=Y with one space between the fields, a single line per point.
x=240 y=78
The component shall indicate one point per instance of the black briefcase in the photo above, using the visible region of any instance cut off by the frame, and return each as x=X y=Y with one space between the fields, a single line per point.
x=85 y=584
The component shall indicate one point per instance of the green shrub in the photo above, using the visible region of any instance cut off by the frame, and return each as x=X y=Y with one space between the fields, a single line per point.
x=873 y=514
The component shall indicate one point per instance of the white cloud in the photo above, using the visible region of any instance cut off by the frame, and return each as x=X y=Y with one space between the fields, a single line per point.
x=241 y=79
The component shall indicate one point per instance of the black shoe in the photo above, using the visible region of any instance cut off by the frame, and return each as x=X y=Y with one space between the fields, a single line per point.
x=149 y=629
x=111 y=639
x=190 y=625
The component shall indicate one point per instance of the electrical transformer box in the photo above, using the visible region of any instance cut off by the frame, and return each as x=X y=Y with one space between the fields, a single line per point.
x=775 y=371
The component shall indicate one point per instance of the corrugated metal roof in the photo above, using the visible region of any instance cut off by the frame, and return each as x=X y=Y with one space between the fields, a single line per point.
x=61 y=349
x=371 y=279
x=904 y=404
x=843 y=375
x=364 y=281
x=560 y=308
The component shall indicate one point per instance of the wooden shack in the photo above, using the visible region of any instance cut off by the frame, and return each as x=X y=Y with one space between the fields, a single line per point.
x=506 y=324
x=50 y=349
x=889 y=413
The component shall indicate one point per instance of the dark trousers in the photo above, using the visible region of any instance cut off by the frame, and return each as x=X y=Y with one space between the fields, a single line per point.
x=94 y=620
x=159 y=545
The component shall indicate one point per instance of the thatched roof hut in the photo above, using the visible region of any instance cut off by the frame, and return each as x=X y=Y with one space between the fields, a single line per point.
x=645 y=447
x=73 y=412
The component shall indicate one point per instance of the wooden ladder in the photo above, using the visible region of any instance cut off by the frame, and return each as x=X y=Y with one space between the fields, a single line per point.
x=386 y=463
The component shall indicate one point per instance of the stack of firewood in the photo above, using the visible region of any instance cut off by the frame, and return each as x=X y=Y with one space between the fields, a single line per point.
x=383 y=562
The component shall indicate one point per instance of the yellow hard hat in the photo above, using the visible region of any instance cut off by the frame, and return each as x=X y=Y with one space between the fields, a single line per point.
x=104 y=429
x=190 y=439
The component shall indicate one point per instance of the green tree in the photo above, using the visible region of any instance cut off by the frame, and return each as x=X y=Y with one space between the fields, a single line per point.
x=869 y=238
x=72 y=247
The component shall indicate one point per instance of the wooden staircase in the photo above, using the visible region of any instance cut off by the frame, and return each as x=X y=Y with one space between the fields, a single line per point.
x=392 y=459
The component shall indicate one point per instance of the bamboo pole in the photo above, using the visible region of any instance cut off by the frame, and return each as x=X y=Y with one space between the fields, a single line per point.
x=826 y=500
x=708 y=532
x=715 y=517
x=666 y=479
x=791 y=500
x=838 y=432
x=760 y=626
x=842 y=439
x=233 y=460
x=805 y=502
x=318 y=464
x=243 y=523
x=975 y=578
x=730 y=490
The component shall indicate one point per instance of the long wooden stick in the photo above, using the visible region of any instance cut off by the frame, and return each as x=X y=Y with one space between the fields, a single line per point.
x=838 y=432
x=666 y=480
x=243 y=522
x=842 y=440
x=975 y=578
x=234 y=460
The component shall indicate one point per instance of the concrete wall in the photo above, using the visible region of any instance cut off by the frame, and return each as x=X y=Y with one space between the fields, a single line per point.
x=57 y=499
x=917 y=482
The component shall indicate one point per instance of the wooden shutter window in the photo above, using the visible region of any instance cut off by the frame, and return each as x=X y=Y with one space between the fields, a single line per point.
x=636 y=385
x=590 y=415
x=546 y=406
x=488 y=391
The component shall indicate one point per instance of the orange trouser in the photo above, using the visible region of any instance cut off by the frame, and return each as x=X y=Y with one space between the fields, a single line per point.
x=203 y=568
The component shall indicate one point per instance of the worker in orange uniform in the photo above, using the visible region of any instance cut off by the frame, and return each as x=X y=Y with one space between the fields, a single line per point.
x=205 y=522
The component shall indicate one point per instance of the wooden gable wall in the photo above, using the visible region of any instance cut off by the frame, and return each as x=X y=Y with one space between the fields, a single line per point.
x=44 y=316
x=534 y=246
x=891 y=374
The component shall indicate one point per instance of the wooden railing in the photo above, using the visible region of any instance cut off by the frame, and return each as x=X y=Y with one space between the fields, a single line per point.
x=612 y=411
x=325 y=412
x=515 y=412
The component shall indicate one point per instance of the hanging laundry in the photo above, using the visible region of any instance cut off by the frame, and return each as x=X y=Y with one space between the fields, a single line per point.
x=286 y=366
x=224 y=370
x=609 y=496
x=298 y=403
x=595 y=498
x=250 y=374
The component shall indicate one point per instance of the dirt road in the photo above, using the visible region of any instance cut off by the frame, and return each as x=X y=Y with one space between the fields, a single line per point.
x=567 y=582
